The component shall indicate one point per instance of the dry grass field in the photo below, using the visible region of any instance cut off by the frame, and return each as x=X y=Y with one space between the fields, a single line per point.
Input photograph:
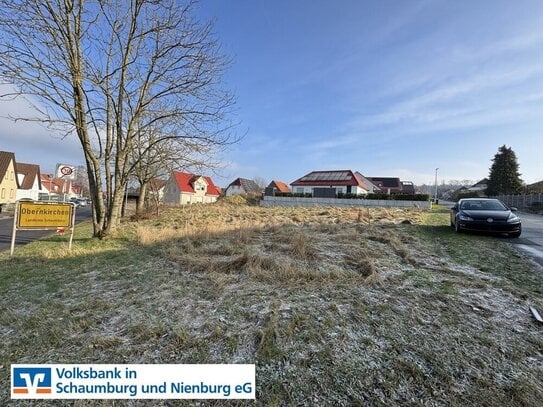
x=334 y=306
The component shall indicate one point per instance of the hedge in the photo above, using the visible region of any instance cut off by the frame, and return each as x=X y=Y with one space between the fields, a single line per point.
x=385 y=197
x=294 y=194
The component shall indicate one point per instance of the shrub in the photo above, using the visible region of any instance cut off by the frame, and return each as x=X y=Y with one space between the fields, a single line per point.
x=350 y=196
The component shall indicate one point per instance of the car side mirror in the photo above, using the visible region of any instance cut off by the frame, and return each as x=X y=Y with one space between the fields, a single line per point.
x=455 y=208
x=513 y=209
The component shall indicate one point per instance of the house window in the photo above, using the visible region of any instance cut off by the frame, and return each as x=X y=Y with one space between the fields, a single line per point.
x=299 y=190
x=11 y=193
x=3 y=192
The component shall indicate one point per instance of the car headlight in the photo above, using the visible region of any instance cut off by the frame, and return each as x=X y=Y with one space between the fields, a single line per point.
x=465 y=217
x=513 y=218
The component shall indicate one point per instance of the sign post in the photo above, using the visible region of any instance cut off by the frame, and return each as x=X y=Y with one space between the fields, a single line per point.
x=30 y=215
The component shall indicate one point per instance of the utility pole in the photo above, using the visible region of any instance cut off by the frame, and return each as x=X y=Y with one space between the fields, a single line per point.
x=435 y=196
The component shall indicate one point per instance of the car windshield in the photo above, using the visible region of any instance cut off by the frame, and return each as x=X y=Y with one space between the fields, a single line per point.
x=483 y=205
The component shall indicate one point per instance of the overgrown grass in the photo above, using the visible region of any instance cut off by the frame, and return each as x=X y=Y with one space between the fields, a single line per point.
x=334 y=306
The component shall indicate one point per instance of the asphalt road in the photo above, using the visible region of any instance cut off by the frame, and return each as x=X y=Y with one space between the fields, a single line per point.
x=26 y=236
x=531 y=240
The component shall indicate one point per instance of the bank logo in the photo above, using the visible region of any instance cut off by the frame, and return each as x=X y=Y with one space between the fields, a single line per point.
x=31 y=380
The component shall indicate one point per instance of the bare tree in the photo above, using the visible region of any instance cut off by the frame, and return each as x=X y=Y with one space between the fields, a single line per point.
x=152 y=160
x=261 y=182
x=108 y=70
x=82 y=180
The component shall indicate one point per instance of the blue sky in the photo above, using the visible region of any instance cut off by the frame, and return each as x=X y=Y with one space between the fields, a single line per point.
x=389 y=88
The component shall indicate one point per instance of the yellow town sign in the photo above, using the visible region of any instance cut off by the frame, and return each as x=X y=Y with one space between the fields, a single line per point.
x=33 y=215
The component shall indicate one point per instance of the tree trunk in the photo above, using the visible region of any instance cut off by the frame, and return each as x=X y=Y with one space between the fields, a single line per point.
x=114 y=215
x=141 y=198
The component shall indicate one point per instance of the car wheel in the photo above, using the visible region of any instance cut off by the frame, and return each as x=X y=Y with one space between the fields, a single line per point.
x=457 y=227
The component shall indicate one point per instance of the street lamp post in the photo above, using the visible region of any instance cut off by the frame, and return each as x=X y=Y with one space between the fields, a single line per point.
x=435 y=195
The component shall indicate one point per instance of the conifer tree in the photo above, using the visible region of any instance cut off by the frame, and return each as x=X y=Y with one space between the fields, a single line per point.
x=504 y=176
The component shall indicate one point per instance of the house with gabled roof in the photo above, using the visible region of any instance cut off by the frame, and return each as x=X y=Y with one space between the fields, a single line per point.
x=242 y=186
x=408 y=187
x=8 y=178
x=387 y=185
x=29 y=178
x=278 y=186
x=155 y=189
x=48 y=187
x=343 y=181
x=185 y=188
x=57 y=188
x=372 y=188
x=479 y=186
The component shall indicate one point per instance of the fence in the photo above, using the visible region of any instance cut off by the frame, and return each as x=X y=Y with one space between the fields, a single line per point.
x=531 y=201
x=310 y=202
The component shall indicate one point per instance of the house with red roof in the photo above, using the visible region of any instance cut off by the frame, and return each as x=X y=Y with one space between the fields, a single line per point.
x=53 y=188
x=185 y=188
x=29 y=178
x=342 y=181
x=278 y=186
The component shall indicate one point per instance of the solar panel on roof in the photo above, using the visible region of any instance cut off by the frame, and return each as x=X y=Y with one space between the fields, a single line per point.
x=390 y=183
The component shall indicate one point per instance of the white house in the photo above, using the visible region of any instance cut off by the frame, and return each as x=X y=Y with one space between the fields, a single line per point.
x=185 y=188
x=344 y=181
x=29 y=178
x=372 y=188
x=242 y=186
x=155 y=189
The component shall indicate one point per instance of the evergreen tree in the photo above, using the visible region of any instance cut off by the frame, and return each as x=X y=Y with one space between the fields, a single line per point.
x=504 y=177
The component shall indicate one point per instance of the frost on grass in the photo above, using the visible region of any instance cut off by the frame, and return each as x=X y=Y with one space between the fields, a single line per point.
x=335 y=306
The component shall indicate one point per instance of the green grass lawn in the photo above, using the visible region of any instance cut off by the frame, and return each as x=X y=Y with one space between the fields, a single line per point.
x=335 y=307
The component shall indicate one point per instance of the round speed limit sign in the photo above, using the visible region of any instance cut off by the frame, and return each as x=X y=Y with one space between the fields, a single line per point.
x=66 y=170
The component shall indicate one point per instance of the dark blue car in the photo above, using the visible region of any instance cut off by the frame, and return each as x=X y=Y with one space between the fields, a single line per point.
x=485 y=215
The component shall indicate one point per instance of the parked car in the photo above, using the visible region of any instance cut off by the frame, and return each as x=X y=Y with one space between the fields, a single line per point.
x=79 y=202
x=485 y=215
